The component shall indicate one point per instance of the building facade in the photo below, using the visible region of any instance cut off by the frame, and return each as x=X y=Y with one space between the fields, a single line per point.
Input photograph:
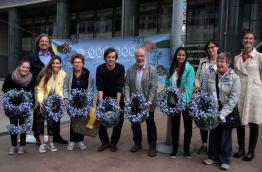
x=21 y=21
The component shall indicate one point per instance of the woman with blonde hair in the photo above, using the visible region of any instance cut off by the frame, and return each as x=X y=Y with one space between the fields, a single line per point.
x=50 y=80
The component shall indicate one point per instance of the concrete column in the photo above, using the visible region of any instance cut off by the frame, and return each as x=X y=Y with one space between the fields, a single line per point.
x=63 y=19
x=14 y=38
x=232 y=39
x=178 y=24
x=130 y=18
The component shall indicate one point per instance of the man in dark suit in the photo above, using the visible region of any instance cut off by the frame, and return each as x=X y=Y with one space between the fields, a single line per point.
x=39 y=58
x=142 y=77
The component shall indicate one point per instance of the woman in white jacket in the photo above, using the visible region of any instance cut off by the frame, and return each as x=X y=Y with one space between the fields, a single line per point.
x=248 y=65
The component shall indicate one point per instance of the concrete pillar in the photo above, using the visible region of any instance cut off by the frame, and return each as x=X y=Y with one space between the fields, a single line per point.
x=130 y=18
x=63 y=19
x=232 y=39
x=14 y=38
x=222 y=22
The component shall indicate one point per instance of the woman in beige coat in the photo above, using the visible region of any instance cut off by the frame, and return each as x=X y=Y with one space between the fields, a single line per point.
x=248 y=65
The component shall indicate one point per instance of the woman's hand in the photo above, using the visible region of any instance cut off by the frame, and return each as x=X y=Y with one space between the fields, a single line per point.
x=66 y=101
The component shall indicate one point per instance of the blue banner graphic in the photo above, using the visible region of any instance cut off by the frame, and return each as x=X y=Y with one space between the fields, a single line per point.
x=158 y=47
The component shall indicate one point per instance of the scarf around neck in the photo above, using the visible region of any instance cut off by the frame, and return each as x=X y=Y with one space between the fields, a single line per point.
x=21 y=80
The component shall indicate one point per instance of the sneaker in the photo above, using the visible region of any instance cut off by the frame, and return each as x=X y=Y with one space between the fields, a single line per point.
x=71 y=146
x=225 y=167
x=187 y=155
x=209 y=162
x=81 y=145
x=12 y=150
x=21 y=150
x=42 y=148
x=173 y=155
x=52 y=147
x=202 y=149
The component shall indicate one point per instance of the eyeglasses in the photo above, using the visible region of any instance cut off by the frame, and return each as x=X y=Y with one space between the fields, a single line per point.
x=211 y=47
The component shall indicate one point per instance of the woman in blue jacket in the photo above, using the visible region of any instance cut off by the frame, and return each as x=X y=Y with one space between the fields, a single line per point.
x=181 y=76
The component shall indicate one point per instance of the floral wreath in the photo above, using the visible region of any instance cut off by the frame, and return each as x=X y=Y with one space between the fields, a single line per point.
x=80 y=103
x=136 y=110
x=22 y=128
x=204 y=110
x=108 y=112
x=164 y=103
x=53 y=107
x=17 y=104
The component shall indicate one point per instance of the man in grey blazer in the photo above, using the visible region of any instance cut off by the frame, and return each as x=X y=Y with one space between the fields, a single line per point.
x=142 y=77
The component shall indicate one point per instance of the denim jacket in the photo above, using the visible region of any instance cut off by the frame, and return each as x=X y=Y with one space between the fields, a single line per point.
x=229 y=90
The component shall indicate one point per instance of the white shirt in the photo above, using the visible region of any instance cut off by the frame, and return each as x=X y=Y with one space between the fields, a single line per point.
x=139 y=75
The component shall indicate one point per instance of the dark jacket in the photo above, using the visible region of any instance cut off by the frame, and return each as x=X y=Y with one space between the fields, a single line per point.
x=9 y=84
x=36 y=64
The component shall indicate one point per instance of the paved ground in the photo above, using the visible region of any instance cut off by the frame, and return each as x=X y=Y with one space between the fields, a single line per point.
x=123 y=160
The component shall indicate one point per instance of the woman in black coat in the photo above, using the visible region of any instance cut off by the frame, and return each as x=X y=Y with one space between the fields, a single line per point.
x=20 y=78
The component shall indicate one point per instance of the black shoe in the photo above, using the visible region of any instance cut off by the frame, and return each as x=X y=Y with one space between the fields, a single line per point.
x=59 y=139
x=173 y=155
x=202 y=150
x=152 y=152
x=135 y=148
x=248 y=157
x=187 y=155
x=239 y=153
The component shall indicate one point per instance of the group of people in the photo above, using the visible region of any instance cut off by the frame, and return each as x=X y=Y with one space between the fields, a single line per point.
x=237 y=86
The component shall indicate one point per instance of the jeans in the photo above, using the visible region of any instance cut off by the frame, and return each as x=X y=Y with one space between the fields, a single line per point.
x=220 y=145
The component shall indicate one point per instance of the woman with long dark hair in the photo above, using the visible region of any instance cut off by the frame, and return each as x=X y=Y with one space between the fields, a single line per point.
x=206 y=66
x=50 y=80
x=181 y=76
x=248 y=65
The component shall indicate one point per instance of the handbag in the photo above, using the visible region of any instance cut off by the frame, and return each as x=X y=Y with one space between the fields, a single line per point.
x=79 y=125
x=232 y=119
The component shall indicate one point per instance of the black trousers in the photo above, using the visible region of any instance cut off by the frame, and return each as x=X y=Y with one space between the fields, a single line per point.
x=17 y=122
x=204 y=135
x=151 y=131
x=115 y=134
x=55 y=125
x=176 y=129
x=75 y=137
x=253 y=136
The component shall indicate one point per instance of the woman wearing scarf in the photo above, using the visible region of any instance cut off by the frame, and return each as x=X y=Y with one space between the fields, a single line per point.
x=21 y=78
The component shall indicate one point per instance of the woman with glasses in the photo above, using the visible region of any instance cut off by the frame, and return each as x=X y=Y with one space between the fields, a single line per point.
x=206 y=66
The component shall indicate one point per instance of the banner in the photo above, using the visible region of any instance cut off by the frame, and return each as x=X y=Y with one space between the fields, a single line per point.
x=158 y=47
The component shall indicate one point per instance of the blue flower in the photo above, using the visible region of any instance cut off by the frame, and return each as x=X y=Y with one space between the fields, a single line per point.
x=204 y=110
x=80 y=103
x=108 y=112
x=21 y=129
x=170 y=101
x=136 y=110
x=53 y=107
x=17 y=104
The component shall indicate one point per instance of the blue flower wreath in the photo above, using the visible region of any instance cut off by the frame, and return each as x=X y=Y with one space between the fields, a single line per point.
x=163 y=101
x=108 y=112
x=204 y=110
x=17 y=104
x=80 y=103
x=136 y=110
x=53 y=107
x=26 y=126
